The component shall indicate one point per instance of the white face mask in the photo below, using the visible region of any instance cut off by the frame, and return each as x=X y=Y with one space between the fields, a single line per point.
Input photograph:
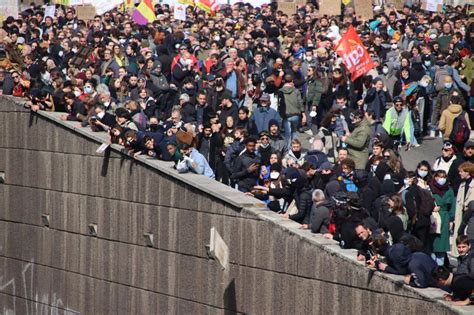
x=101 y=115
x=441 y=181
x=274 y=175
x=77 y=93
x=312 y=114
x=394 y=46
x=424 y=84
x=217 y=38
x=385 y=70
x=74 y=50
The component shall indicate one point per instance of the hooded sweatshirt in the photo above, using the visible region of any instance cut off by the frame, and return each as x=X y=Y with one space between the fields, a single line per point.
x=447 y=119
x=291 y=101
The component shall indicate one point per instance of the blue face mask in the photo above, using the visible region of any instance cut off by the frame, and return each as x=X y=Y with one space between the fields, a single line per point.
x=441 y=181
x=448 y=85
x=88 y=90
x=422 y=174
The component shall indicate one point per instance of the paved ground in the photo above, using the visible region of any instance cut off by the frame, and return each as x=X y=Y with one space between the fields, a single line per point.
x=429 y=150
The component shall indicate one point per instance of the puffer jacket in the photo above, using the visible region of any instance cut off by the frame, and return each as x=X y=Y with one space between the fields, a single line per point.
x=447 y=119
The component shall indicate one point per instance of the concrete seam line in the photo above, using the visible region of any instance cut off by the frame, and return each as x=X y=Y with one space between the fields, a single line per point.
x=149 y=290
x=206 y=258
x=65 y=309
x=125 y=201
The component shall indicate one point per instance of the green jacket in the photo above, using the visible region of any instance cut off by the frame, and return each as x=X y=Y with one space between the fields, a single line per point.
x=358 y=144
x=468 y=70
x=396 y=123
x=315 y=91
x=292 y=101
x=447 y=203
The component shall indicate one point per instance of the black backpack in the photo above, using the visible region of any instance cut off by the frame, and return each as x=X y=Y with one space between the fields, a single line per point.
x=461 y=132
x=427 y=203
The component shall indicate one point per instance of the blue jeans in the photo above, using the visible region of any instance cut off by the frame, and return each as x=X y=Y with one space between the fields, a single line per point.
x=291 y=128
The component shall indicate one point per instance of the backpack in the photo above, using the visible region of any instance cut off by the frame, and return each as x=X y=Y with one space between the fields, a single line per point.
x=461 y=132
x=440 y=74
x=427 y=203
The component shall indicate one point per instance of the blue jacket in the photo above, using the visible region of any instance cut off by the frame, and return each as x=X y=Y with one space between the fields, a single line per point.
x=262 y=116
x=202 y=167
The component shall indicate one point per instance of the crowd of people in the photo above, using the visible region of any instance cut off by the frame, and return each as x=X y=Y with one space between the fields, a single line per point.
x=235 y=95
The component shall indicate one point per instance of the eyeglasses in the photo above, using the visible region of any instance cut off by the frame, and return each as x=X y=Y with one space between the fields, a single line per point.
x=386 y=157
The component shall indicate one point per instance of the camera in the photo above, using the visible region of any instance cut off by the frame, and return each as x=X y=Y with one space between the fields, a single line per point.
x=94 y=118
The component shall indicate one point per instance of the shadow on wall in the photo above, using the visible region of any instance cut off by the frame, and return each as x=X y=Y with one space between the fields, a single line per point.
x=230 y=301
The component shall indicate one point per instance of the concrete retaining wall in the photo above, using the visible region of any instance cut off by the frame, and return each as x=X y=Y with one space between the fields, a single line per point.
x=52 y=171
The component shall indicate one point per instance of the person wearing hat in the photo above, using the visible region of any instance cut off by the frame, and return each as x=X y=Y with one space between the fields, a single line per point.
x=262 y=115
x=277 y=141
x=444 y=162
x=227 y=108
x=265 y=149
x=397 y=121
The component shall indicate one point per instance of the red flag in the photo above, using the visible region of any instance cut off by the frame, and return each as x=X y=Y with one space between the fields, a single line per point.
x=353 y=54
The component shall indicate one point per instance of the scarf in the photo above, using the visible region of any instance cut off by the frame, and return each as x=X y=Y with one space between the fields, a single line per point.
x=438 y=189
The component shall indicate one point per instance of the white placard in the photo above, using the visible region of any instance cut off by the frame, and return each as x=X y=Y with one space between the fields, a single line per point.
x=102 y=6
x=50 y=10
x=9 y=8
x=102 y=148
x=180 y=11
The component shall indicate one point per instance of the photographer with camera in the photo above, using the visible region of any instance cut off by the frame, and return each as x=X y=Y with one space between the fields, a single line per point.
x=101 y=120
x=399 y=260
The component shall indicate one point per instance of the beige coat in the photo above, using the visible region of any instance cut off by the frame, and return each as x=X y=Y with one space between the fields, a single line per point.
x=462 y=200
x=447 y=118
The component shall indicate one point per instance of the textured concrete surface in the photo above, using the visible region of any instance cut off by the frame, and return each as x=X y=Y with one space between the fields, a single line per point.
x=51 y=168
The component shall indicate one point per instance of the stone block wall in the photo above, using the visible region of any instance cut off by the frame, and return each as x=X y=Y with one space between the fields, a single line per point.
x=56 y=186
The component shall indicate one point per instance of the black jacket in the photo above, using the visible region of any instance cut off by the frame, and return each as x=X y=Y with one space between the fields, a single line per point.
x=245 y=179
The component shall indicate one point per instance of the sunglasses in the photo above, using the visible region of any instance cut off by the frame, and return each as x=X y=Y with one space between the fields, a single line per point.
x=264 y=138
x=15 y=76
x=446 y=150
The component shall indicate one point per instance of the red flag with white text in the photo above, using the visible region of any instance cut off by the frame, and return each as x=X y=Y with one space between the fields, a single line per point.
x=353 y=54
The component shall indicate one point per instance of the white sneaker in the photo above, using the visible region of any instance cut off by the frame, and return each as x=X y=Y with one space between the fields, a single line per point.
x=432 y=133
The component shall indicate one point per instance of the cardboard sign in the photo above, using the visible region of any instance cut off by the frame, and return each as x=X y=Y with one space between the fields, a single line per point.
x=85 y=12
x=287 y=7
x=364 y=9
x=432 y=5
x=329 y=7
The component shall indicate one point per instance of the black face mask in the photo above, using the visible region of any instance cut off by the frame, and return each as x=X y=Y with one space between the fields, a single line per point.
x=153 y=127
x=297 y=154
x=326 y=177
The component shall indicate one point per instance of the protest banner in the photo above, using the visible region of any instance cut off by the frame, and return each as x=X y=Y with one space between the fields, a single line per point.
x=287 y=7
x=432 y=5
x=50 y=10
x=9 y=8
x=180 y=11
x=353 y=54
x=329 y=7
x=85 y=12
